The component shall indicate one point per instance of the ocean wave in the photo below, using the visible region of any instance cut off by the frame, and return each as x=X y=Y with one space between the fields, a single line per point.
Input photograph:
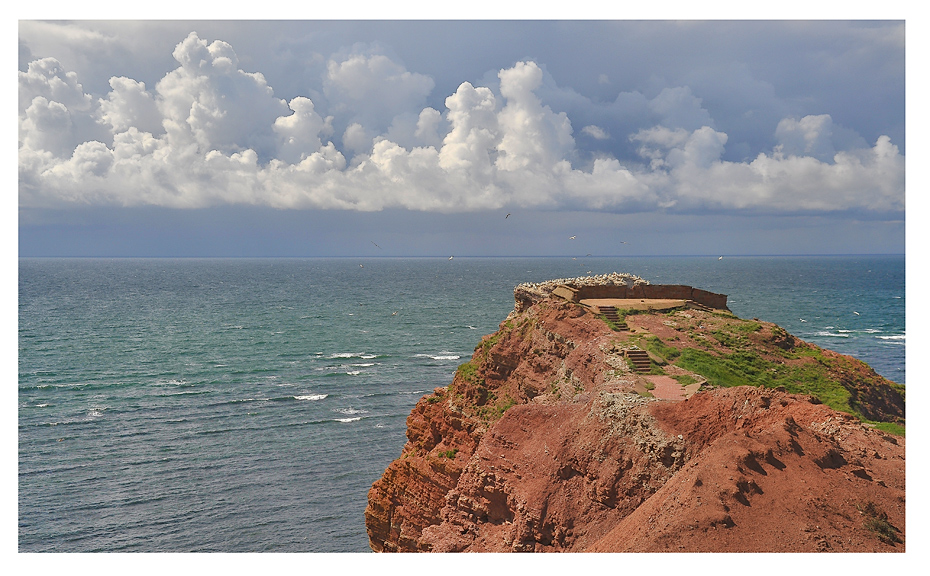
x=831 y=334
x=441 y=356
x=356 y=419
x=349 y=411
x=362 y=355
x=354 y=372
x=896 y=337
x=311 y=397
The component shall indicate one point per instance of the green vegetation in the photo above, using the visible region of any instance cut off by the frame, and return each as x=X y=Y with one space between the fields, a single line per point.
x=491 y=412
x=889 y=427
x=685 y=379
x=469 y=373
x=660 y=349
x=740 y=368
x=876 y=522
x=449 y=453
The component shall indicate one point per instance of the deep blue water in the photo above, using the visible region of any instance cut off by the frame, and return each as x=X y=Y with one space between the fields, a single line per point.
x=248 y=405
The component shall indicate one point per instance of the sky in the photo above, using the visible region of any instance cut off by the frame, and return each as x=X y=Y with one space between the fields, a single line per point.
x=513 y=137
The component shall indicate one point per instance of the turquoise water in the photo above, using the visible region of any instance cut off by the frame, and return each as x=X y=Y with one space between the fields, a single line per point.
x=248 y=405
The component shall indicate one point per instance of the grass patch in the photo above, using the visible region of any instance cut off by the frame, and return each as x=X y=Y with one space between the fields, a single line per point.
x=685 y=379
x=468 y=372
x=747 y=368
x=889 y=427
x=449 y=453
x=659 y=348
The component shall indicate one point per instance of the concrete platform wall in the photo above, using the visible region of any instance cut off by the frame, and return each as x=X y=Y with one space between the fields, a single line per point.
x=656 y=291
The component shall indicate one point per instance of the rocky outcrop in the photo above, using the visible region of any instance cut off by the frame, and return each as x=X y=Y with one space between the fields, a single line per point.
x=548 y=441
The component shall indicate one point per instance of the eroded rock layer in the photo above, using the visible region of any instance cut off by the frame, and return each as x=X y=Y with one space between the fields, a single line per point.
x=549 y=440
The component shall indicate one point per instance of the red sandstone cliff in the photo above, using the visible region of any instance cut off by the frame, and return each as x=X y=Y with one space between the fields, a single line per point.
x=547 y=440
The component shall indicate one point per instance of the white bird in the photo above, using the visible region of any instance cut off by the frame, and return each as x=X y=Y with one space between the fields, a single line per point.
x=856 y=313
x=802 y=319
x=571 y=237
x=360 y=266
x=450 y=257
x=721 y=258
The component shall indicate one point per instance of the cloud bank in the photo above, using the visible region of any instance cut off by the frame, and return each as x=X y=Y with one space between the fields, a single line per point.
x=209 y=133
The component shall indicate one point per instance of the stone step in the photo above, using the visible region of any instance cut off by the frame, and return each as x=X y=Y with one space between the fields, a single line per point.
x=640 y=360
x=610 y=313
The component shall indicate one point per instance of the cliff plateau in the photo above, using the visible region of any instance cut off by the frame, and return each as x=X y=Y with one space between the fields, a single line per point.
x=738 y=437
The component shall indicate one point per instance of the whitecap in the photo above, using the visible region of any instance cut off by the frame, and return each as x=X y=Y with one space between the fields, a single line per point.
x=349 y=419
x=42 y=405
x=311 y=397
x=354 y=372
x=444 y=355
x=896 y=337
x=364 y=365
x=832 y=335
x=351 y=411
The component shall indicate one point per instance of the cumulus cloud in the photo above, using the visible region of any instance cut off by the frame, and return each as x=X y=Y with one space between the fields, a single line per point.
x=127 y=106
x=211 y=133
x=809 y=136
x=371 y=89
x=595 y=132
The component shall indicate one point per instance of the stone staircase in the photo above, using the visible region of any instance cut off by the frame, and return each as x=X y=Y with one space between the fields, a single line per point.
x=640 y=360
x=610 y=313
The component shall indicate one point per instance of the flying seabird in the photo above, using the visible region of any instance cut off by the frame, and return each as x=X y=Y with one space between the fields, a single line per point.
x=721 y=258
x=450 y=257
x=856 y=313
x=373 y=242
x=507 y=216
x=571 y=237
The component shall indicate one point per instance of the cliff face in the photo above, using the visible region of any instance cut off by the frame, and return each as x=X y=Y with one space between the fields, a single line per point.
x=548 y=440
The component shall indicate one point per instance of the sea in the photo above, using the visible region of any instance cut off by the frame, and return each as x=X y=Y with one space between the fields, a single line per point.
x=247 y=405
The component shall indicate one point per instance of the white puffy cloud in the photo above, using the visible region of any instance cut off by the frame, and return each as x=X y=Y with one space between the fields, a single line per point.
x=372 y=89
x=428 y=126
x=211 y=133
x=533 y=136
x=299 y=133
x=209 y=102
x=47 y=78
x=127 y=106
x=46 y=125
